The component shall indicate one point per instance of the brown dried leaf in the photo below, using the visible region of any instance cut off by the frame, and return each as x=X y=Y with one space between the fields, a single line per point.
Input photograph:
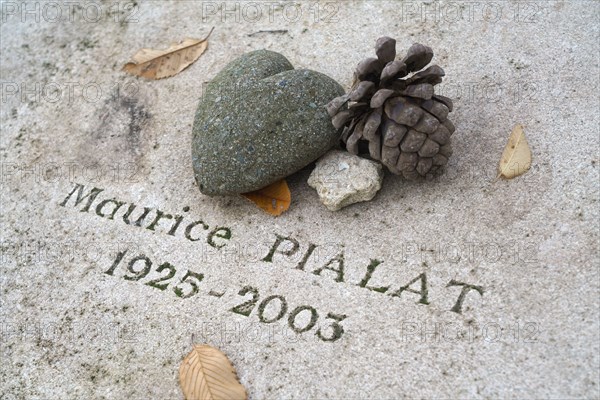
x=516 y=157
x=158 y=64
x=274 y=199
x=207 y=374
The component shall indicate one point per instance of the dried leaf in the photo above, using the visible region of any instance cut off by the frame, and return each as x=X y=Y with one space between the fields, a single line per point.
x=274 y=199
x=207 y=374
x=516 y=157
x=158 y=64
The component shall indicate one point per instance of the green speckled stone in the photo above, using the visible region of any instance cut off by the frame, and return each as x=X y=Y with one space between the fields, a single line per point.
x=258 y=121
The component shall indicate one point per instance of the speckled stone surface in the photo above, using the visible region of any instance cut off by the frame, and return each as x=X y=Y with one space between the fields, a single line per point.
x=259 y=121
x=70 y=331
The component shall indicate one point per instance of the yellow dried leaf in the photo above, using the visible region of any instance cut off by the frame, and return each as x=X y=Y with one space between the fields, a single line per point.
x=158 y=64
x=207 y=374
x=274 y=199
x=516 y=157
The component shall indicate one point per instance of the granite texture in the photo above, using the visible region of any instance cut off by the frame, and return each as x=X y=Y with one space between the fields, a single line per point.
x=259 y=122
x=69 y=330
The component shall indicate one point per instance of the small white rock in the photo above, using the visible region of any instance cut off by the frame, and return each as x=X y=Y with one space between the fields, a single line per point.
x=341 y=179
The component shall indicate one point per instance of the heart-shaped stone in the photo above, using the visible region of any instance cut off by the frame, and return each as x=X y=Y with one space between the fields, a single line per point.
x=259 y=121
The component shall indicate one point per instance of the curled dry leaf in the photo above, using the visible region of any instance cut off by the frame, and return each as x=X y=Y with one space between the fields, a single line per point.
x=516 y=157
x=207 y=374
x=158 y=64
x=274 y=199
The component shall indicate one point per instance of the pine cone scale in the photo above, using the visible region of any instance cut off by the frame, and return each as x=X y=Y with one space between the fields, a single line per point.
x=375 y=148
x=361 y=90
x=380 y=97
x=385 y=49
x=449 y=125
x=421 y=90
x=446 y=150
x=429 y=148
x=439 y=110
x=389 y=155
x=444 y=100
x=424 y=165
x=417 y=57
x=427 y=124
x=393 y=133
x=439 y=160
x=403 y=112
x=441 y=135
x=407 y=161
x=336 y=104
x=430 y=75
x=372 y=124
x=341 y=118
x=393 y=69
x=368 y=68
x=413 y=141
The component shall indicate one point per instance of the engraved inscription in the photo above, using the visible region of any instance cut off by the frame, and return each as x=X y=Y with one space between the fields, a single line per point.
x=165 y=276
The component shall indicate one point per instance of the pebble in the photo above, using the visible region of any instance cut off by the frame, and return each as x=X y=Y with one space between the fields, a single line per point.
x=341 y=179
x=259 y=121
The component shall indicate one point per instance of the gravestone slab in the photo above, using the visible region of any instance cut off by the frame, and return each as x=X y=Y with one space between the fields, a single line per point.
x=113 y=262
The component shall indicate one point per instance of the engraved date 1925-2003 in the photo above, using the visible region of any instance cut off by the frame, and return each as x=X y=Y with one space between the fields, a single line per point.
x=273 y=308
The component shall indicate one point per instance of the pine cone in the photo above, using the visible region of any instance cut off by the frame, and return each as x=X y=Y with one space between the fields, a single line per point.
x=397 y=118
